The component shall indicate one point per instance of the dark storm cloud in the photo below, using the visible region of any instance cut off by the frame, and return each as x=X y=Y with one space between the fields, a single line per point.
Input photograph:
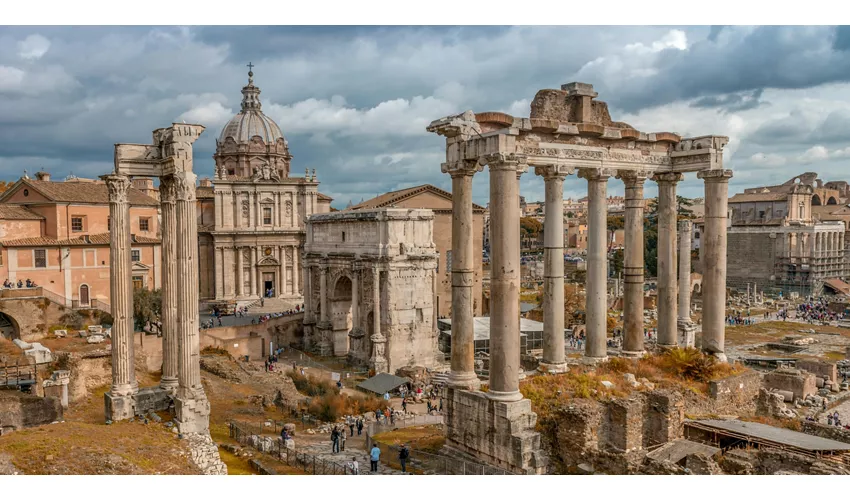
x=741 y=101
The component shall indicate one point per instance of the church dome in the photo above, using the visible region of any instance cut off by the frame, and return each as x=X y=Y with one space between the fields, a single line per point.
x=251 y=121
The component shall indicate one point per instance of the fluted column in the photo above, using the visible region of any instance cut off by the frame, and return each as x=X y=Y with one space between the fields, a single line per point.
x=379 y=341
x=685 y=270
x=355 y=298
x=191 y=406
x=282 y=288
x=633 y=263
x=597 y=262
x=554 y=359
x=667 y=215
x=119 y=400
x=714 y=268
x=462 y=373
x=505 y=275
x=218 y=256
x=296 y=270
x=252 y=274
x=323 y=293
x=240 y=273
x=169 y=284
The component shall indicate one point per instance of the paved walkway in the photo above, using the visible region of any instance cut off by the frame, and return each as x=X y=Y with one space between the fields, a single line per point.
x=254 y=312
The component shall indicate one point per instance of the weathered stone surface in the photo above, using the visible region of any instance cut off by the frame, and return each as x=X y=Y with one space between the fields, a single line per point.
x=204 y=454
x=821 y=369
x=737 y=389
x=799 y=383
x=19 y=410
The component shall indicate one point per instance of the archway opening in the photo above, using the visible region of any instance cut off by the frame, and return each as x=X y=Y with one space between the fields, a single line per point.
x=9 y=327
x=341 y=315
x=816 y=201
x=84 y=296
x=832 y=201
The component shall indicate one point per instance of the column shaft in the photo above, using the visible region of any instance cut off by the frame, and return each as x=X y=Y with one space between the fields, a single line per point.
x=597 y=263
x=667 y=215
x=121 y=288
x=169 y=284
x=633 y=264
x=554 y=359
x=355 y=298
x=685 y=270
x=252 y=275
x=376 y=301
x=504 y=277
x=714 y=268
x=323 y=294
x=463 y=339
x=240 y=274
x=296 y=269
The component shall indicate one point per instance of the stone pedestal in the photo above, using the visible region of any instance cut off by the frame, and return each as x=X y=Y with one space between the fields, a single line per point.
x=686 y=333
x=714 y=254
x=501 y=433
x=325 y=344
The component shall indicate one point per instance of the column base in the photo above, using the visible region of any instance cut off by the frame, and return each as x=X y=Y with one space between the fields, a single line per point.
x=553 y=368
x=721 y=356
x=666 y=347
x=325 y=344
x=169 y=384
x=632 y=354
x=592 y=361
x=687 y=333
x=467 y=381
x=119 y=407
x=504 y=396
x=192 y=413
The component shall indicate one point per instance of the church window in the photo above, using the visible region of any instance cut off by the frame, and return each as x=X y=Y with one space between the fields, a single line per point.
x=144 y=223
x=40 y=257
x=267 y=216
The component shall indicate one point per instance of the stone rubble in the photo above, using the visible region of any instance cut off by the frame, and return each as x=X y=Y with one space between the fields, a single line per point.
x=204 y=454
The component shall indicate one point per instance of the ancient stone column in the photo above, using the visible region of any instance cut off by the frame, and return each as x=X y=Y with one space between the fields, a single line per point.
x=191 y=406
x=323 y=293
x=714 y=269
x=378 y=358
x=597 y=262
x=355 y=298
x=685 y=270
x=218 y=256
x=239 y=275
x=554 y=359
x=667 y=215
x=462 y=373
x=120 y=403
x=281 y=290
x=504 y=275
x=169 y=284
x=633 y=263
x=295 y=270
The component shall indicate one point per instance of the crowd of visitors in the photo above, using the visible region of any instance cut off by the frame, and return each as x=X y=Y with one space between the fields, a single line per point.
x=28 y=284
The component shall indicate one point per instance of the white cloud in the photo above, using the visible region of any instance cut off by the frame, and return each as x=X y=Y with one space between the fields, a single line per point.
x=633 y=61
x=768 y=160
x=11 y=78
x=33 y=47
x=814 y=154
x=208 y=114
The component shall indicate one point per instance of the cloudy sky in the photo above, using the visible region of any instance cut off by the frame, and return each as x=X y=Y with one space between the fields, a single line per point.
x=354 y=102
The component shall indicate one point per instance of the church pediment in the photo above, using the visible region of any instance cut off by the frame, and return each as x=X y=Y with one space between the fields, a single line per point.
x=138 y=266
x=268 y=261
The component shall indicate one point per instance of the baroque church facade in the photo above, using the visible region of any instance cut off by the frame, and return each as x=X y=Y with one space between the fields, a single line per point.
x=251 y=215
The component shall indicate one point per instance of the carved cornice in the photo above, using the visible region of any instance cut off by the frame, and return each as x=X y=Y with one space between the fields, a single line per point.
x=118 y=186
x=553 y=171
x=610 y=155
x=633 y=178
x=715 y=175
x=184 y=186
x=461 y=168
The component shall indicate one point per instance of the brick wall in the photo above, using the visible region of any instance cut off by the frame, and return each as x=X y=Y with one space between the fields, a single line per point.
x=750 y=258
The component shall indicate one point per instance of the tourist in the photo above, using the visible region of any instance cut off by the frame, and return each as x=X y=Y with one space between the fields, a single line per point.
x=335 y=440
x=829 y=419
x=392 y=416
x=354 y=466
x=429 y=407
x=20 y=284
x=441 y=405
x=341 y=434
x=375 y=455
x=404 y=405
x=359 y=426
x=350 y=424
x=403 y=455
x=7 y=283
x=386 y=396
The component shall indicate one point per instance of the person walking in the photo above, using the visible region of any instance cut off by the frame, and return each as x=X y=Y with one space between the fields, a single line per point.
x=359 y=426
x=351 y=425
x=403 y=455
x=404 y=405
x=342 y=439
x=375 y=455
x=335 y=440
x=354 y=465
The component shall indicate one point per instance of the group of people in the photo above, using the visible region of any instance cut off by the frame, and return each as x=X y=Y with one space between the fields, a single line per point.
x=817 y=310
x=737 y=320
x=835 y=419
x=266 y=317
x=375 y=457
x=29 y=284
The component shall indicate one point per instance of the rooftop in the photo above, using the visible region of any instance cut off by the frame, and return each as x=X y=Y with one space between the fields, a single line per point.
x=17 y=212
x=776 y=435
x=753 y=197
x=392 y=197
x=93 y=239
x=80 y=192
x=481 y=325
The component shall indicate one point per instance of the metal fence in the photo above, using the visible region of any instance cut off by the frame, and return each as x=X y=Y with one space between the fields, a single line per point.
x=302 y=359
x=274 y=448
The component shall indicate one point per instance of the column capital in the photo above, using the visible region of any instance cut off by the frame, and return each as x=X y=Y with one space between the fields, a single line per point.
x=596 y=174
x=118 y=186
x=184 y=186
x=716 y=175
x=633 y=177
x=461 y=168
x=167 y=190
x=667 y=177
x=553 y=171
x=505 y=161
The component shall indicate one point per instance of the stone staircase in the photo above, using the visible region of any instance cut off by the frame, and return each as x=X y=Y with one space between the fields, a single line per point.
x=273 y=305
x=440 y=378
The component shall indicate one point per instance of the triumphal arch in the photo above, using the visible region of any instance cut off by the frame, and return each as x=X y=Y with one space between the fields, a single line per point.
x=370 y=287
x=568 y=132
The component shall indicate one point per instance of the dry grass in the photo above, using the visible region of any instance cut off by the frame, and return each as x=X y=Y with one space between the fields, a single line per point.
x=771 y=331
x=428 y=438
x=785 y=423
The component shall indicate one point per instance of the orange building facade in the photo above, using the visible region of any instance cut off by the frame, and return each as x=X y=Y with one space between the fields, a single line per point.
x=56 y=234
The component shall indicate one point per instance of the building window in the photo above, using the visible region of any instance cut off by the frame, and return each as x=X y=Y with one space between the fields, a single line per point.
x=138 y=282
x=343 y=236
x=76 y=224
x=40 y=257
x=109 y=223
x=136 y=255
x=144 y=223
x=267 y=216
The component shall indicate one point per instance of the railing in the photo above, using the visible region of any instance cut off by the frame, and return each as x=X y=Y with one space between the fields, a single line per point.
x=17 y=375
x=303 y=359
x=273 y=447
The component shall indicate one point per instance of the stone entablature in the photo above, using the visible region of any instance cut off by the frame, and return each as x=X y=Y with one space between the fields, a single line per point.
x=388 y=326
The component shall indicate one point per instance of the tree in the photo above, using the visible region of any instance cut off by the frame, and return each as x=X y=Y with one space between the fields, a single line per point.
x=530 y=228
x=615 y=222
x=570 y=214
x=147 y=307
x=4 y=185
x=650 y=230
